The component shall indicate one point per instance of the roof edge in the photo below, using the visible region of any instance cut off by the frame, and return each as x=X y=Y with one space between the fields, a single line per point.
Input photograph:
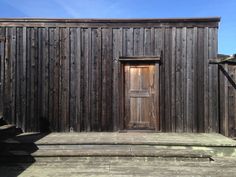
x=111 y=20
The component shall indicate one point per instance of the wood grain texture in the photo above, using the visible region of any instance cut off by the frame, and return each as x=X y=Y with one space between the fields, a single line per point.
x=107 y=79
x=179 y=83
x=189 y=106
x=206 y=78
x=200 y=80
x=70 y=78
x=117 y=93
x=2 y=55
x=64 y=79
x=75 y=75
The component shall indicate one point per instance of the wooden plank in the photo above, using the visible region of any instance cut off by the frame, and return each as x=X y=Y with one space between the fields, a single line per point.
x=179 y=115
x=148 y=42
x=138 y=41
x=234 y=107
x=107 y=77
x=2 y=55
x=215 y=123
x=117 y=94
x=189 y=85
x=44 y=119
x=144 y=60
x=167 y=70
x=128 y=42
x=78 y=76
x=210 y=55
x=13 y=75
x=36 y=83
x=39 y=77
x=231 y=104
x=28 y=61
x=224 y=100
x=96 y=80
x=75 y=52
x=57 y=123
x=89 y=106
x=195 y=75
x=127 y=112
x=41 y=122
x=93 y=81
x=33 y=75
x=200 y=79
x=127 y=50
x=157 y=96
x=206 y=79
x=184 y=77
x=40 y=73
x=85 y=80
x=158 y=49
x=137 y=24
x=173 y=79
x=18 y=76
x=64 y=79
x=23 y=79
x=6 y=89
x=51 y=78
x=29 y=79
x=136 y=57
x=213 y=83
x=121 y=83
x=73 y=79
x=106 y=20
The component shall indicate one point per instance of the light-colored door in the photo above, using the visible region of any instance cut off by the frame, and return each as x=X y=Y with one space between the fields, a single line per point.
x=141 y=96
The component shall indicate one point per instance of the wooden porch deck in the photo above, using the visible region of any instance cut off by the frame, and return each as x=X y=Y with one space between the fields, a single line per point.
x=122 y=154
x=115 y=138
x=113 y=144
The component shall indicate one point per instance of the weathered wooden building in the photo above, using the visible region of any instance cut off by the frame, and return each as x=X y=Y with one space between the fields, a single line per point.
x=110 y=74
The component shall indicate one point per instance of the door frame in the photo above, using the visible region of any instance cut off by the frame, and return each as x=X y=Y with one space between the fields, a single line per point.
x=129 y=60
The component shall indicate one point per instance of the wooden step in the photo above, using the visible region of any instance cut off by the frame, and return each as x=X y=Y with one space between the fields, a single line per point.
x=118 y=151
x=92 y=149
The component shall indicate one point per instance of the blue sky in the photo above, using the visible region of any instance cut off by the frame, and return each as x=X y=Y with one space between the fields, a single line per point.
x=226 y=9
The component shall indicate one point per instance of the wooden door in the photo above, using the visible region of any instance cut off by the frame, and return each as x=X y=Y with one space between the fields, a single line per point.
x=141 y=96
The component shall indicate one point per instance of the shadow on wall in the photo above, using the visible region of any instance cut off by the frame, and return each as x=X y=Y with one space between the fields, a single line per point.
x=44 y=125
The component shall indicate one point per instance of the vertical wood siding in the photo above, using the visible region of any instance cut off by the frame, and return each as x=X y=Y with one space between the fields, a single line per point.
x=227 y=89
x=68 y=78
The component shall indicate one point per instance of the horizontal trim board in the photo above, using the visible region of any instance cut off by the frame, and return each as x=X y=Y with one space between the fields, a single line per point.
x=105 y=25
x=114 y=20
x=139 y=58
